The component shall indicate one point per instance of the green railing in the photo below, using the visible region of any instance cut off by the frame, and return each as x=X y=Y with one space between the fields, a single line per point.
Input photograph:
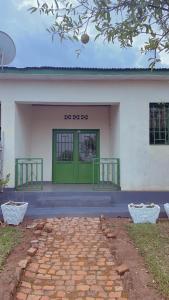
x=108 y=170
x=29 y=174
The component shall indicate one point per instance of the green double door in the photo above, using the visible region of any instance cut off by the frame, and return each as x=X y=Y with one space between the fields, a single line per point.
x=73 y=154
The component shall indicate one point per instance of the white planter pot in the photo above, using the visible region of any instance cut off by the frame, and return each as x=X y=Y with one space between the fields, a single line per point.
x=166 y=207
x=142 y=213
x=14 y=212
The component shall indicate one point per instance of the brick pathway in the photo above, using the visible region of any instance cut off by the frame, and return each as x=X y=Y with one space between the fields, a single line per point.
x=72 y=263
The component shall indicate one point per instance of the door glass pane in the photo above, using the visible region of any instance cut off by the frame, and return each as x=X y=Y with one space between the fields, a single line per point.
x=87 y=146
x=64 y=146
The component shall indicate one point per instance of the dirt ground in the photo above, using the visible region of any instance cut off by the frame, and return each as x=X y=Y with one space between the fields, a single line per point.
x=19 y=252
x=138 y=282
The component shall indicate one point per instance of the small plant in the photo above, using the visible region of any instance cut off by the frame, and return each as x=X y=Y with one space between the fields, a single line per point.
x=14 y=212
x=144 y=213
x=151 y=205
x=4 y=182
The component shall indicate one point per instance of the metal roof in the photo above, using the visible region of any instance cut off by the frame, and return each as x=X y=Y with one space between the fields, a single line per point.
x=83 y=73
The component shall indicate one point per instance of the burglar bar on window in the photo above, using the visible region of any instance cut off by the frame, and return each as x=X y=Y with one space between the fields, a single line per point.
x=159 y=123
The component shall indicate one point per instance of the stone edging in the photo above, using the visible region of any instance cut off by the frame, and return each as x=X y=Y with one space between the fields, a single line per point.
x=37 y=228
x=110 y=233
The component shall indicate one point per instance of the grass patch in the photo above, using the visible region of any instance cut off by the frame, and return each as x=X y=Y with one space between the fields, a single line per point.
x=152 y=241
x=9 y=238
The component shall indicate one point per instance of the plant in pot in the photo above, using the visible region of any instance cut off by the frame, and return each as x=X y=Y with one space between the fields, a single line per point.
x=144 y=213
x=166 y=207
x=13 y=212
x=4 y=182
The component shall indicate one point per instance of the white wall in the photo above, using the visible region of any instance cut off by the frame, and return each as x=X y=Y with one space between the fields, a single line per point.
x=0 y=114
x=16 y=127
x=8 y=128
x=46 y=118
x=143 y=167
x=23 y=130
x=114 y=117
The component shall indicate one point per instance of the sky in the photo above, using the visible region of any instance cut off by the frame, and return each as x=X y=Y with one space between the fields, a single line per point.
x=34 y=45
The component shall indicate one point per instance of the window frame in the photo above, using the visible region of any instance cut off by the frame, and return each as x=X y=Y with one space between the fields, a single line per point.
x=159 y=116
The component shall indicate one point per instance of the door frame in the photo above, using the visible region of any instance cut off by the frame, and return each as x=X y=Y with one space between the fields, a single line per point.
x=74 y=129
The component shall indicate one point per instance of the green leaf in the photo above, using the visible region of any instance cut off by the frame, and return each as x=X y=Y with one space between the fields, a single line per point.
x=32 y=9
x=118 y=20
x=75 y=38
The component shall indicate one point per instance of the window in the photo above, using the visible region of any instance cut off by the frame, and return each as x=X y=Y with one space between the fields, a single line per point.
x=159 y=123
x=87 y=146
x=64 y=146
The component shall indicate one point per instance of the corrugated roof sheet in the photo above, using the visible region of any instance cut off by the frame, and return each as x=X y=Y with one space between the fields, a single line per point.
x=79 y=71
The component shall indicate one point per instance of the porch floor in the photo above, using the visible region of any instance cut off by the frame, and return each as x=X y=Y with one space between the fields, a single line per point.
x=51 y=187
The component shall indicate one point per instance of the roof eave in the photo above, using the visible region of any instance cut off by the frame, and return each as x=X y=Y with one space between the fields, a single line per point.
x=84 y=77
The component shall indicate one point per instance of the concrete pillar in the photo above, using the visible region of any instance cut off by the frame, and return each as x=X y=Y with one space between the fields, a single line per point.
x=8 y=133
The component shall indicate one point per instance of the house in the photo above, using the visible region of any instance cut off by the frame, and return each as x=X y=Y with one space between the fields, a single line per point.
x=86 y=126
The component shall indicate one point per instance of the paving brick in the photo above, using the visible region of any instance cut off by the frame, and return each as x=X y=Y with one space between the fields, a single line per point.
x=30 y=274
x=44 y=266
x=25 y=290
x=49 y=287
x=33 y=297
x=26 y=284
x=61 y=294
x=122 y=269
x=73 y=261
x=21 y=296
x=43 y=271
x=82 y=287
x=24 y=262
x=115 y=294
x=37 y=233
x=33 y=267
x=77 y=277
x=31 y=251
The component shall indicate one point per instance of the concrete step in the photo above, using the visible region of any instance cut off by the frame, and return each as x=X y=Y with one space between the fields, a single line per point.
x=75 y=212
x=46 y=204
x=72 y=201
x=62 y=199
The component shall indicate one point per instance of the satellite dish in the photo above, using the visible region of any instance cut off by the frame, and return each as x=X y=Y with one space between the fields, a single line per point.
x=7 y=49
